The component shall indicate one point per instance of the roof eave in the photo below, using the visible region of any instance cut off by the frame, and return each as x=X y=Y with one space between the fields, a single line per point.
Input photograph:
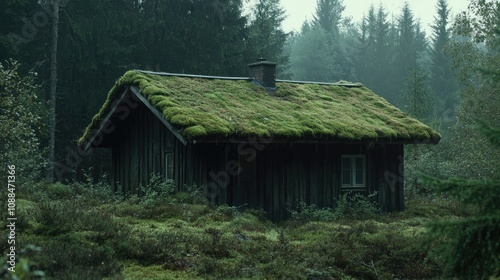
x=311 y=140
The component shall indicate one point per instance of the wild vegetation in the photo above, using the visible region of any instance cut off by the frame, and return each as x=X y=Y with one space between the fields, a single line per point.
x=75 y=228
x=82 y=231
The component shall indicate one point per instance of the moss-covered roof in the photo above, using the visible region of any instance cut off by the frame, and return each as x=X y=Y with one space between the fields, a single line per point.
x=206 y=108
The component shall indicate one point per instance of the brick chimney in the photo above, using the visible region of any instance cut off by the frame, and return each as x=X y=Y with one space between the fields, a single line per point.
x=263 y=73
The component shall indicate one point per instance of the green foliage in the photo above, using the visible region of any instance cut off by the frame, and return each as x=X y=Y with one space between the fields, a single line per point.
x=328 y=15
x=375 y=47
x=266 y=38
x=318 y=65
x=26 y=269
x=349 y=206
x=475 y=57
x=417 y=95
x=356 y=205
x=89 y=236
x=492 y=134
x=22 y=124
x=443 y=81
x=318 y=52
x=313 y=213
x=469 y=245
x=158 y=187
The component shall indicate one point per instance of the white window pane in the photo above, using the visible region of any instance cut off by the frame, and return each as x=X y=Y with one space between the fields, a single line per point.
x=353 y=171
x=346 y=171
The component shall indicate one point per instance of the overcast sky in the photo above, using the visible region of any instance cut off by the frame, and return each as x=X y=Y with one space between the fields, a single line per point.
x=299 y=10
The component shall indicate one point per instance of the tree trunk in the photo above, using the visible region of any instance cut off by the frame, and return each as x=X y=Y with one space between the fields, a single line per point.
x=53 y=89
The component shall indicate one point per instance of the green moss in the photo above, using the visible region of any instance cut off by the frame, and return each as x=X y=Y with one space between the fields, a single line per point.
x=196 y=131
x=200 y=108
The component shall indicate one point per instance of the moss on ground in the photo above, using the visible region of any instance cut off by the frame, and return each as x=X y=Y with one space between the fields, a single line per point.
x=169 y=238
x=201 y=108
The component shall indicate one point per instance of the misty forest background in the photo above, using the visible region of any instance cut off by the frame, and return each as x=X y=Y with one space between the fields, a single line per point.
x=76 y=228
x=435 y=77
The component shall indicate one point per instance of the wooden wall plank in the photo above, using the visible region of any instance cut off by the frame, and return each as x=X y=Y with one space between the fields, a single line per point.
x=281 y=175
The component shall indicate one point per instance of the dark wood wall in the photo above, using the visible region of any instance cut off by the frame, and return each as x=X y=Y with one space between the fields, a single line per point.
x=141 y=143
x=273 y=176
x=283 y=174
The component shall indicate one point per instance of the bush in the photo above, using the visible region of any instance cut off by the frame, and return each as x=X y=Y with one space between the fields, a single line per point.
x=158 y=187
x=58 y=191
x=70 y=255
x=313 y=213
x=356 y=205
x=349 y=205
x=26 y=268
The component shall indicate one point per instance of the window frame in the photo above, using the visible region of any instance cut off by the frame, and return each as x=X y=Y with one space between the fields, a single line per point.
x=352 y=159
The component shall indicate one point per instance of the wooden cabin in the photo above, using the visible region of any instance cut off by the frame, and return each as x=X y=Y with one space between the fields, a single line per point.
x=256 y=141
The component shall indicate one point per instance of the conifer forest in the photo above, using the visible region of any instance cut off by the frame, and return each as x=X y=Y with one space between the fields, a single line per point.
x=63 y=216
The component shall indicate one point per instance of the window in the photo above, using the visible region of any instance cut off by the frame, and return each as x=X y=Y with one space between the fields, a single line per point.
x=169 y=165
x=353 y=171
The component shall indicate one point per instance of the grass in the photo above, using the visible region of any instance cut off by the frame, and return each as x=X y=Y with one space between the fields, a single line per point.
x=201 y=108
x=85 y=233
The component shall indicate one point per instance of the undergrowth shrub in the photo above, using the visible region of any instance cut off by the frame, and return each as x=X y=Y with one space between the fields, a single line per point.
x=159 y=246
x=356 y=205
x=56 y=217
x=349 y=205
x=313 y=213
x=25 y=267
x=71 y=256
x=158 y=187
x=58 y=191
x=95 y=192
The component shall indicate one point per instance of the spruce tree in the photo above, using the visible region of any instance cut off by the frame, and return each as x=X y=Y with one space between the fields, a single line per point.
x=417 y=95
x=266 y=37
x=410 y=43
x=470 y=245
x=374 y=61
x=328 y=15
x=312 y=57
x=443 y=81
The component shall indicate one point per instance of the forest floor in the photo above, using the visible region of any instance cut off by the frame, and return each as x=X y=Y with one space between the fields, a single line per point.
x=83 y=232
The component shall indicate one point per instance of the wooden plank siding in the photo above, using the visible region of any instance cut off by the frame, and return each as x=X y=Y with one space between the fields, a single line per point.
x=274 y=176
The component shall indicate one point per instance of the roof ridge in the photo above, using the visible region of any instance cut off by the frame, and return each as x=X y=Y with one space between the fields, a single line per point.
x=322 y=83
x=245 y=79
x=193 y=76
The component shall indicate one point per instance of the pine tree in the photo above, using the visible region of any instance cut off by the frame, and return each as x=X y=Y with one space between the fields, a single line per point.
x=417 y=95
x=443 y=81
x=410 y=43
x=312 y=57
x=374 y=62
x=328 y=15
x=266 y=37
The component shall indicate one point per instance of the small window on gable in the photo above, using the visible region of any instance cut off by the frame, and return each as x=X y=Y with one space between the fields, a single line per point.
x=353 y=171
x=169 y=165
